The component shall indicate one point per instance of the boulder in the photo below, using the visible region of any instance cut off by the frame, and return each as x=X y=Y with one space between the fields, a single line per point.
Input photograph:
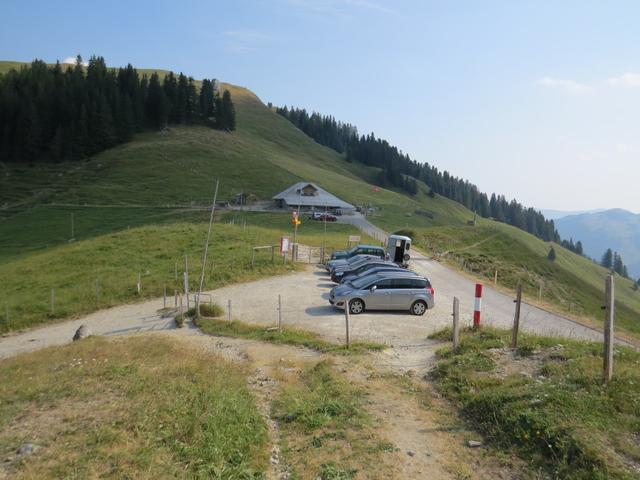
x=82 y=332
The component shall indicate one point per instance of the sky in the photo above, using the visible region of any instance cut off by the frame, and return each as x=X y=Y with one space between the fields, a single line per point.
x=537 y=100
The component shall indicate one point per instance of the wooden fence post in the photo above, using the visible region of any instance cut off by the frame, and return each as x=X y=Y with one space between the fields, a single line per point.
x=279 y=313
x=516 y=318
x=495 y=278
x=175 y=297
x=456 y=323
x=181 y=309
x=164 y=297
x=186 y=287
x=138 y=285
x=608 y=329
x=346 y=323
x=253 y=256
x=229 y=309
x=97 y=290
x=53 y=301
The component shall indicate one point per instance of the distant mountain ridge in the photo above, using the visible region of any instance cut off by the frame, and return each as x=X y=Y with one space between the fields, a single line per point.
x=552 y=214
x=617 y=229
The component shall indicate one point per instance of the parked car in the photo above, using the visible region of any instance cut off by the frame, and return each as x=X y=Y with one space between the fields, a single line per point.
x=342 y=270
x=353 y=262
x=332 y=264
x=325 y=217
x=370 y=269
x=359 y=250
x=385 y=291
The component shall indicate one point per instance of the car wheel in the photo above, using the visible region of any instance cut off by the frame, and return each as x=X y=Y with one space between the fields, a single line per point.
x=356 y=306
x=418 y=308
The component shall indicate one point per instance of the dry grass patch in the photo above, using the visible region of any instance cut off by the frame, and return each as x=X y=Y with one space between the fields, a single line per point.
x=143 y=407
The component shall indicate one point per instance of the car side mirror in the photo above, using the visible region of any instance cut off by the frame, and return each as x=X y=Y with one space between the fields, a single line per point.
x=374 y=288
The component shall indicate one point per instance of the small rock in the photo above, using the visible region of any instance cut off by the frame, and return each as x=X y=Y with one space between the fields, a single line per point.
x=27 y=449
x=274 y=461
x=473 y=443
x=411 y=453
x=82 y=332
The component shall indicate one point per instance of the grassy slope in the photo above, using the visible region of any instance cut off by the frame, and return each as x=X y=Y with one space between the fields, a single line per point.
x=265 y=155
x=142 y=407
x=572 y=283
x=114 y=261
x=547 y=400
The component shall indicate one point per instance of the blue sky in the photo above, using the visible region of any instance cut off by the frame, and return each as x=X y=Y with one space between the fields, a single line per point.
x=538 y=100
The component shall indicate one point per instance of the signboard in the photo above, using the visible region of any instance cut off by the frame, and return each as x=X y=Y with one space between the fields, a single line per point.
x=284 y=244
x=295 y=217
x=354 y=238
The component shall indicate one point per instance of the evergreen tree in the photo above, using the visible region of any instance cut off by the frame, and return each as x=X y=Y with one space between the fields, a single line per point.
x=227 y=112
x=618 y=265
x=156 y=105
x=66 y=113
x=607 y=259
x=552 y=254
x=579 y=250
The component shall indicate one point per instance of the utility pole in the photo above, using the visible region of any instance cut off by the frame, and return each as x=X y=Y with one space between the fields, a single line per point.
x=206 y=249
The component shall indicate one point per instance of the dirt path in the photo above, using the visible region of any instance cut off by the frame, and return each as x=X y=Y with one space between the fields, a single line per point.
x=428 y=439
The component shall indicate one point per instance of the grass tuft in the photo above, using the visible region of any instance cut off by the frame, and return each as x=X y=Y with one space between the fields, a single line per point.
x=288 y=336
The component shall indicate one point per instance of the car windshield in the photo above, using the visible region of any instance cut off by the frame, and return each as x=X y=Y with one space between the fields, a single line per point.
x=355 y=259
x=363 y=282
x=353 y=250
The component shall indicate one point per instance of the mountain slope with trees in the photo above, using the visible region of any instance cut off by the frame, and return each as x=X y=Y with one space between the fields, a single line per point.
x=400 y=171
x=617 y=229
x=71 y=112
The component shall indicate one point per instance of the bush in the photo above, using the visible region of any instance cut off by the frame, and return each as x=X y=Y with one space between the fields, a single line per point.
x=212 y=310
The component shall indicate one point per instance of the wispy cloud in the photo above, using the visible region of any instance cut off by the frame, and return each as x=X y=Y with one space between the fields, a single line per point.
x=341 y=7
x=569 y=86
x=626 y=80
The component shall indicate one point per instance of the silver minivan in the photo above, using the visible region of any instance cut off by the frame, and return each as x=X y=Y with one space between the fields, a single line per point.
x=385 y=291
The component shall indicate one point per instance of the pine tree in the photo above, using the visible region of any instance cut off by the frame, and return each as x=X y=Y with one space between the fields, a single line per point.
x=618 y=265
x=607 y=259
x=227 y=112
x=552 y=254
x=579 y=249
x=156 y=105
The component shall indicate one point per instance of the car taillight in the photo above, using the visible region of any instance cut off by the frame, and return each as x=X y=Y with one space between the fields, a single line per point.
x=431 y=291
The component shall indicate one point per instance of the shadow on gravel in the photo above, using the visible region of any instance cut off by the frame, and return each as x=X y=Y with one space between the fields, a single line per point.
x=326 y=285
x=323 y=311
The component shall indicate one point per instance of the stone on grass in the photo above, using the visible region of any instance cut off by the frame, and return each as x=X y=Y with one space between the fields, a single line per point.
x=27 y=449
x=474 y=443
x=82 y=332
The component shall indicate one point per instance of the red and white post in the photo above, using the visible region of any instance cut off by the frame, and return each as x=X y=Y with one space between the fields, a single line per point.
x=478 y=306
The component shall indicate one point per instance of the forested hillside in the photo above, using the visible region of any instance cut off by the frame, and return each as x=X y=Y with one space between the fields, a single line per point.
x=69 y=112
x=399 y=170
